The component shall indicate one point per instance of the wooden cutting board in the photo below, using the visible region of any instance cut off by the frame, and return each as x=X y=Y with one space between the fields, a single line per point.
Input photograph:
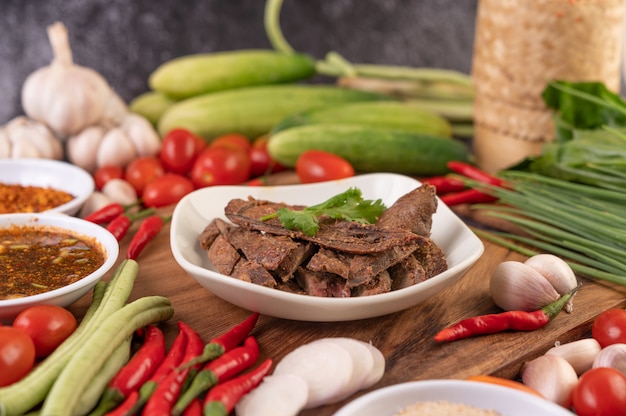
x=405 y=338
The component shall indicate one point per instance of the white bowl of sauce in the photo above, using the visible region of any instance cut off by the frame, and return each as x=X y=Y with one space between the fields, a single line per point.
x=50 y=258
x=39 y=185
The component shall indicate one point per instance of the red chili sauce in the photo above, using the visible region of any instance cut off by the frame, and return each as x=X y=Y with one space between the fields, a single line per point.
x=35 y=260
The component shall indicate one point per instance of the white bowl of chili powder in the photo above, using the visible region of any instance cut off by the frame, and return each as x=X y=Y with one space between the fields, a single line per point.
x=39 y=185
x=50 y=258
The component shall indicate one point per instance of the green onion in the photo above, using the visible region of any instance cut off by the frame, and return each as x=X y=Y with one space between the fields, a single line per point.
x=581 y=223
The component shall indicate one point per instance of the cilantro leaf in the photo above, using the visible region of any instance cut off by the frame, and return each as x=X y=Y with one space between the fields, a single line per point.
x=348 y=205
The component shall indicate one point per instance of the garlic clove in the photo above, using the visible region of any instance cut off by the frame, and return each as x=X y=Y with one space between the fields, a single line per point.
x=115 y=149
x=82 y=148
x=613 y=356
x=95 y=201
x=553 y=377
x=517 y=286
x=142 y=134
x=555 y=270
x=558 y=273
x=120 y=191
x=580 y=353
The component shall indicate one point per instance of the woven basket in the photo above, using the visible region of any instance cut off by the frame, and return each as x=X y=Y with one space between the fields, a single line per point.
x=522 y=45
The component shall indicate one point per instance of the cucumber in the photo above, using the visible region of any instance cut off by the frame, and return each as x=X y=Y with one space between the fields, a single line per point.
x=193 y=75
x=253 y=111
x=370 y=149
x=386 y=114
x=151 y=105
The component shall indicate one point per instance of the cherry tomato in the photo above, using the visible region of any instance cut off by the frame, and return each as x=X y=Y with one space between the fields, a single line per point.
x=17 y=354
x=600 y=391
x=610 y=327
x=143 y=170
x=105 y=173
x=318 y=166
x=179 y=149
x=47 y=325
x=166 y=190
x=221 y=165
x=261 y=162
x=234 y=141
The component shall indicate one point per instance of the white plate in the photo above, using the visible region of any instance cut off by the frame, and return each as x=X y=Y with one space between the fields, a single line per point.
x=67 y=295
x=198 y=208
x=507 y=401
x=50 y=173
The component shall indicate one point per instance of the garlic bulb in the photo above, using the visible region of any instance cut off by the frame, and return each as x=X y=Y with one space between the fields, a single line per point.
x=517 y=286
x=613 y=356
x=552 y=376
x=22 y=137
x=65 y=96
x=580 y=353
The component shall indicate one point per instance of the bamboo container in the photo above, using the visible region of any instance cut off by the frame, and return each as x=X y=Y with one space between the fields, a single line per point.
x=522 y=45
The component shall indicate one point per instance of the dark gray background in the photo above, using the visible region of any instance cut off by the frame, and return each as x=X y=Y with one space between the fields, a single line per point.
x=125 y=40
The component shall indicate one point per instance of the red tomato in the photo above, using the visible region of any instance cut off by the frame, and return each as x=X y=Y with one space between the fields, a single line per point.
x=17 y=354
x=610 y=327
x=318 y=166
x=47 y=325
x=166 y=190
x=220 y=165
x=105 y=173
x=234 y=141
x=141 y=171
x=179 y=149
x=600 y=392
x=261 y=162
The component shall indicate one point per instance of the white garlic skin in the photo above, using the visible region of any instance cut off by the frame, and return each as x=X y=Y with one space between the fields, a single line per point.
x=580 y=353
x=515 y=286
x=553 y=377
x=82 y=148
x=613 y=356
x=556 y=270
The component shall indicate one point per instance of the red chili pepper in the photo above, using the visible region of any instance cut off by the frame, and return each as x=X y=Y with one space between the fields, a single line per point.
x=474 y=172
x=445 y=184
x=194 y=408
x=221 y=399
x=228 y=340
x=498 y=322
x=172 y=360
x=120 y=225
x=126 y=407
x=222 y=368
x=106 y=214
x=468 y=196
x=168 y=390
x=136 y=372
x=148 y=229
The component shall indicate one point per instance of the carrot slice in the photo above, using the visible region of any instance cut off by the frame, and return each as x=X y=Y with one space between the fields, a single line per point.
x=504 y=382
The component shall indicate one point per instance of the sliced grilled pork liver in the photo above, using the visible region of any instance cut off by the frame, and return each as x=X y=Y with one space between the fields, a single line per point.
x=348 y=236
x=412 y=211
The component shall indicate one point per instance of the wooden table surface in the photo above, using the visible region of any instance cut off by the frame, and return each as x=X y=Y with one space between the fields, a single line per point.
x=405 y=338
